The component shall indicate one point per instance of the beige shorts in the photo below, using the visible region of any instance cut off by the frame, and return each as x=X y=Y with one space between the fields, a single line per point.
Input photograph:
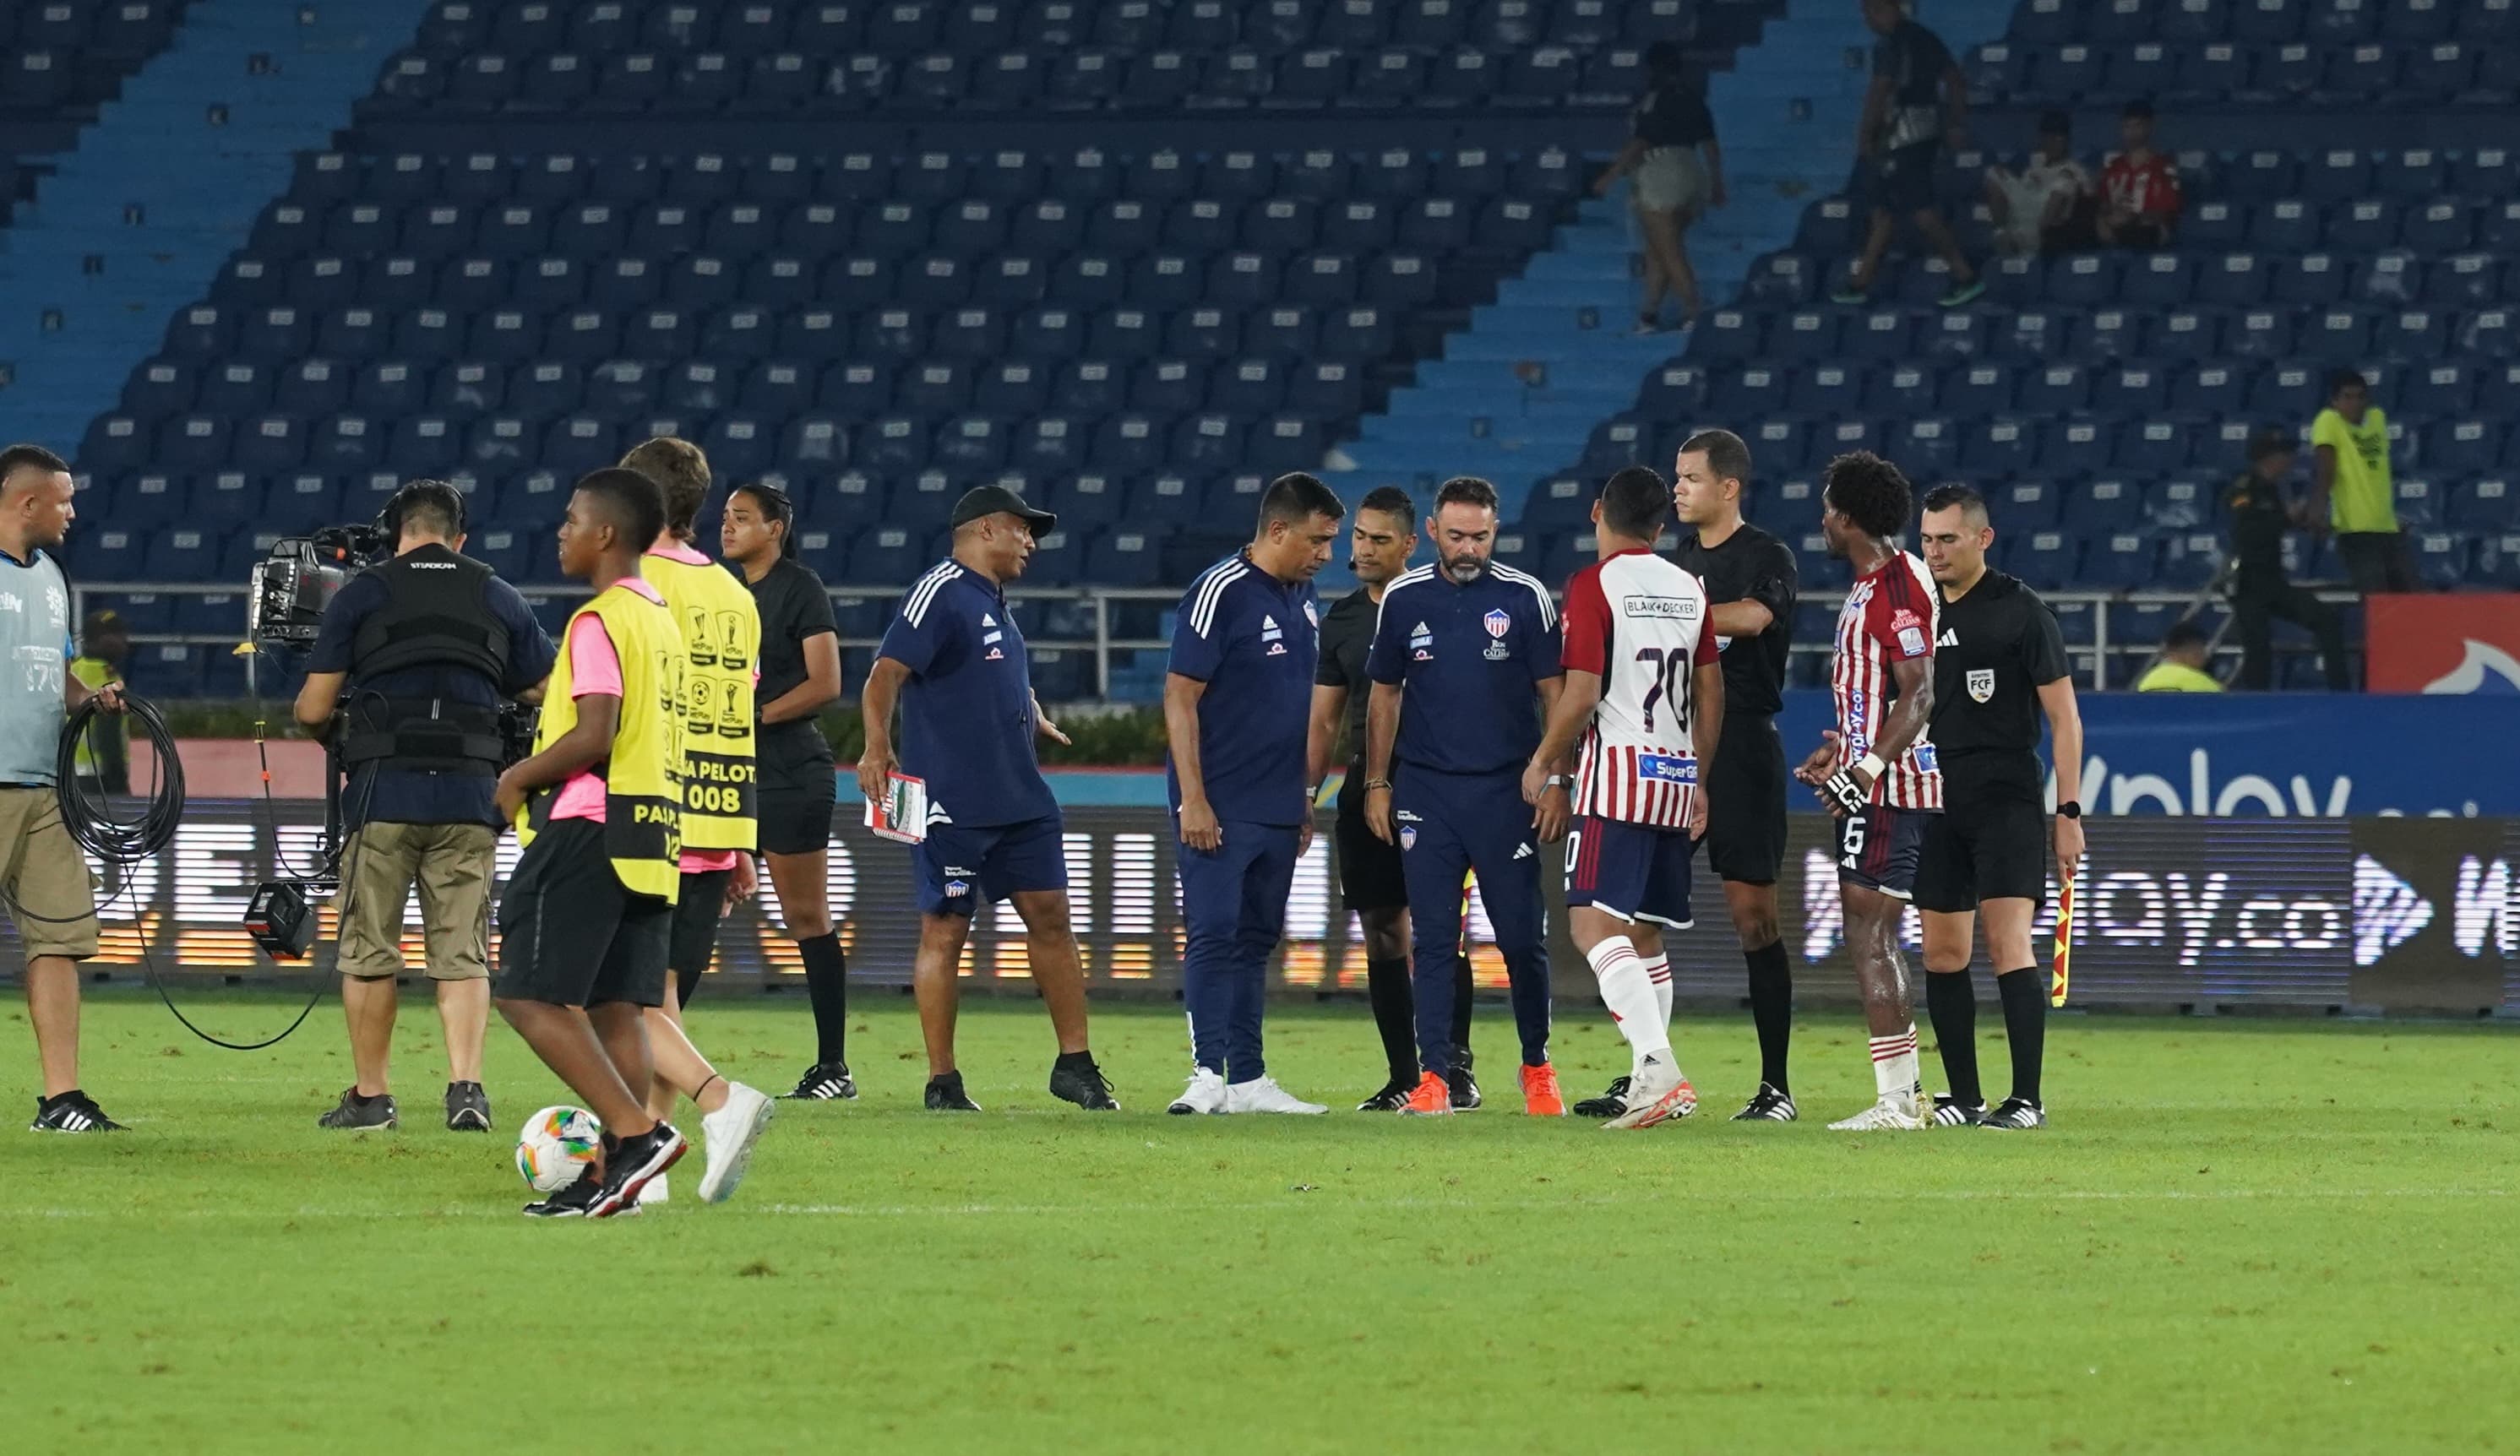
x=50 y=895
x=451 y=863
x=1671 y=179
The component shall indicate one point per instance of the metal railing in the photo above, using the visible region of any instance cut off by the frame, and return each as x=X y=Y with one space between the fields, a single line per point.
x=2098 y=658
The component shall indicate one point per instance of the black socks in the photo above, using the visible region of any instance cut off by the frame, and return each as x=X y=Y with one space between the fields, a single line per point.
x=1386 y=987
x=1772 y=1008
x=2025 y=1024
x=1951 y=1001
x=827 y=984
x=1462 y=1002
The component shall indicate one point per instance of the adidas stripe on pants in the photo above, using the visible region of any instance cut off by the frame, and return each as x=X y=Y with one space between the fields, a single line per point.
x=1453 y=825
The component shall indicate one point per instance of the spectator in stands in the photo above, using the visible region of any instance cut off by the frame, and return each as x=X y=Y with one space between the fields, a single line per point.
x=104 y=760
x=2260 y=595
x=2140 y=198
x=1670 y=128
x=1918 y=100
x=2047 y=206
x=2350 y=481
x=2184 y=649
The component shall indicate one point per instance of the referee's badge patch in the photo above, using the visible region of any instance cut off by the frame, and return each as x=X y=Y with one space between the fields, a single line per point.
x=1981 y=684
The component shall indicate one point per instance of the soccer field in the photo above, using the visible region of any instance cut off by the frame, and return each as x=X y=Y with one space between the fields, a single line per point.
x=2274 y=1236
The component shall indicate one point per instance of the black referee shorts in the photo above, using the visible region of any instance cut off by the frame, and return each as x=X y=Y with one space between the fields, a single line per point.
x=1745 y=803
x=571 y=934
x=795 y=812
x=1987 y=849
x=1370 y=878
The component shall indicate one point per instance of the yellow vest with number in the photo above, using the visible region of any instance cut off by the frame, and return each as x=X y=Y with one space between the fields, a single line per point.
x=643 y=777
x=722 y=640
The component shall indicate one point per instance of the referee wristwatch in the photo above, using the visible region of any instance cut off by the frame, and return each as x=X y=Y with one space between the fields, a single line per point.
x=2069 y=808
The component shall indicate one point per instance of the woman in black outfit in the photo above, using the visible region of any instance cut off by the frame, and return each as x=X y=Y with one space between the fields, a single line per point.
x=800 y=677
x=1674 y=184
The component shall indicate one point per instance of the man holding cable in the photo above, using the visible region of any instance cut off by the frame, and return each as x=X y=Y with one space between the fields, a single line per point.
x=1999 y=664
x=41 y=871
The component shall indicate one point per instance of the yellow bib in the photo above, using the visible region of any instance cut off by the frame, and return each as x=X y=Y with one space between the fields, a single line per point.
x=722 y=640
x=643 y=777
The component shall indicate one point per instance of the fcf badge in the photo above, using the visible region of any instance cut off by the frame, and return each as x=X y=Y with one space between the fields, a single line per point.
x=1981 y=684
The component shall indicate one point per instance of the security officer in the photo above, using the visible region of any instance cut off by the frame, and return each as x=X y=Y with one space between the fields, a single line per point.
x=1999 y=664
x=2261 y=593
x=1466 y=664
x=428 y=643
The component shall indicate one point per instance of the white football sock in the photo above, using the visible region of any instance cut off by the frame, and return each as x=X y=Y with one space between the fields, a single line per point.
x=1658 y=971
x=1628 y=993
x=1893 y=1065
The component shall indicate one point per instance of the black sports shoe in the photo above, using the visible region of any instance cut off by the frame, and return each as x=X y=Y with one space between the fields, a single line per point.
x=573 y=1200
x=72 y=1110
x=355 y=1111
x=1393 y=1097
x=1610 y=1104
x=467 y=1107
x=1951 y=1112
x=1465 y=1087
x=826 y=1082
x=1771 y=1104
x=632 y=1164
x=1074 y=1077
x=2016 y=1115
x=945 y=1094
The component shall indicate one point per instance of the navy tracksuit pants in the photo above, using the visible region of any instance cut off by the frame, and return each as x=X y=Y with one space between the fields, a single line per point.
x=1234 y=907
x=1453 y=825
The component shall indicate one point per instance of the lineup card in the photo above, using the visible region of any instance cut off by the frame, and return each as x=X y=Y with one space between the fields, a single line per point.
x=902 y=813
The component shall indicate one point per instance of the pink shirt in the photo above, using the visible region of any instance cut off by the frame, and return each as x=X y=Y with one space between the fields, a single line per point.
x=698 y=862
x=594 y=671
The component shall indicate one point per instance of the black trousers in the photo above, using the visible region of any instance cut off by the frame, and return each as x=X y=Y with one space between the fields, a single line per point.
x=2256 y=607
x=2376 y=560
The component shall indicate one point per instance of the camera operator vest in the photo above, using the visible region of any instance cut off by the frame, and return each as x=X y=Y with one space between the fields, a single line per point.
x=642 y=774
x=721 y=630
x=436 y=614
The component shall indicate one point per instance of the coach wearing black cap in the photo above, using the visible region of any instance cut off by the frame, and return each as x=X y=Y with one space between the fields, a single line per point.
x=955 y=663
x=2261 y=593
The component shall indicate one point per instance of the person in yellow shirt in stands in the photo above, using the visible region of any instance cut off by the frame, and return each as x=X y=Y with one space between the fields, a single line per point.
x=2184 y=649
x=2350 y=481
x=104 y=749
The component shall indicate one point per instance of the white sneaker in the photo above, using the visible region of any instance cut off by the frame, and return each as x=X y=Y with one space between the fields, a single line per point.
x=1657 y=1094
x=727 y=1138
x=1889 y=1115
x=1205 y=1094
x=655 y=1192
x=1263 y=1094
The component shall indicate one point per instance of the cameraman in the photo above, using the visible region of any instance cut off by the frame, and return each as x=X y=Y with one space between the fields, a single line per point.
x=434 y=642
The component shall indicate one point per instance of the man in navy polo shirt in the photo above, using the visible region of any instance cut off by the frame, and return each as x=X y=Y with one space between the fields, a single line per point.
x=956 y=663
x=1237 y=703
x=1464 y=666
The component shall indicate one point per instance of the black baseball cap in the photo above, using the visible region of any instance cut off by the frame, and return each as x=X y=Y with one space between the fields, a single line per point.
x=990 y=500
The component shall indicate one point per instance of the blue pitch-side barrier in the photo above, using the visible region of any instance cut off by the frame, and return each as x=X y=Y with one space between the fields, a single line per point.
x=2236 y=755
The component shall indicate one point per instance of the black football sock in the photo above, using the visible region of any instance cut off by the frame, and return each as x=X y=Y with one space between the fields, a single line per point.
x=2025 y=1026
x=826 y=985
x=1395 y=1014
x=1772 y=1008
x=1462 y=1002
x=1951 y=1000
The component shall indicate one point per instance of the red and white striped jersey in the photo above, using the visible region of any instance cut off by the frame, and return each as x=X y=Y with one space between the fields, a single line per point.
x=1639 y=623
x=1892 y=615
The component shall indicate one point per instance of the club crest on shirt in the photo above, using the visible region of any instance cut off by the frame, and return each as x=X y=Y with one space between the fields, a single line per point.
x=1498 y=623
x=1409 y=836
x=1311 y=616
x=955 y=888
x=1981 y=684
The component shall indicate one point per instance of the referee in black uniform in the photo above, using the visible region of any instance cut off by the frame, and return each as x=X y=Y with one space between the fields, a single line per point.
x=1380 y=542
x=1999 y=663
x=1751 y=581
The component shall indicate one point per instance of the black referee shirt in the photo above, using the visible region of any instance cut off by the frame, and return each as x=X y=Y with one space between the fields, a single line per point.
x=1999 y=644
x=1750 y=566
x=1347 y=637
x=795 y=609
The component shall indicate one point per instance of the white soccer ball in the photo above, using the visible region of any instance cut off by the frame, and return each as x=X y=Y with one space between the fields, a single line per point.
x=557 y=1146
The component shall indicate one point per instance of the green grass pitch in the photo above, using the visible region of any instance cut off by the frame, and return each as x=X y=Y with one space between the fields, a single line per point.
x=2276 y=1236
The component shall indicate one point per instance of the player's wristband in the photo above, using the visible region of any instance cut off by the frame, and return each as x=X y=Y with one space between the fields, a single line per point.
x=1842 y=789
x=1872 y=767
x=1554 y=781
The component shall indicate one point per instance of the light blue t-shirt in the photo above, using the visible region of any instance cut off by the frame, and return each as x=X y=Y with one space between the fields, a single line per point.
x=35 y=636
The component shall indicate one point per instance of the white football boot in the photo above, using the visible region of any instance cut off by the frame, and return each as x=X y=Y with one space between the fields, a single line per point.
x=1263 y=1094
x=728 y=1135
x=1205 y=1095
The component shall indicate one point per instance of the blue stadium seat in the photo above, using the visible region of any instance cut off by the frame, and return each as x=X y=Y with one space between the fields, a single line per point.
x=2484 y=505
x=2028 y=505
x=1980 y=389
x=2000 y=449
x=2123 y=560
x=2100 y=507
x=1825 y=389
x=2045 y=559
x=2071 y=449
